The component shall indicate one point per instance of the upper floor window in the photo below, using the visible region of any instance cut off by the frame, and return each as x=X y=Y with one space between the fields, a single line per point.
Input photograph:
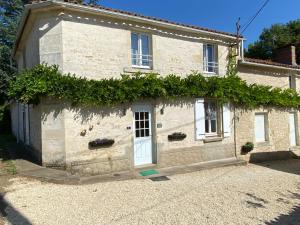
x=141 y=50
x=210 y=59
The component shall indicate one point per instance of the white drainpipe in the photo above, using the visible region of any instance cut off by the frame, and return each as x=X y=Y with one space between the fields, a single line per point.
x=242 y=50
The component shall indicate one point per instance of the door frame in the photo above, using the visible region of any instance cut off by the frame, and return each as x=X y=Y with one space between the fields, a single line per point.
x=153 y=132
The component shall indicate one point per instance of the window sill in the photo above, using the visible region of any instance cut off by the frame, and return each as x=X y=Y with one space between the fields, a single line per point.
x=210 y=73
x=212 y=139
x=139 y=69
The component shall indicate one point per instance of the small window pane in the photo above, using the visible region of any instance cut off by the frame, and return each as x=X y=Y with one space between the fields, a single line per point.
x=147 y=133
x=206 y=126
x=147 y=124
x=142 y=133
x=142 y=124
x=146 y=115
x=145 y=50
x=213 y=126
x=137 y=116
x=137 y=133
x=137 y=125
x=134 y=48
x=142 y=116
x=145 y=44
x=210 y=53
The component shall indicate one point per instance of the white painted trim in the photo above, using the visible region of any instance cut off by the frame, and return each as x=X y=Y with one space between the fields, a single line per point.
x=199 y=119
x=226 y=120
x=139 y=108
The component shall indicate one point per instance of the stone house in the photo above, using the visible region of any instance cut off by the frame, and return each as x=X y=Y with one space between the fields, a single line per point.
x=98 y=42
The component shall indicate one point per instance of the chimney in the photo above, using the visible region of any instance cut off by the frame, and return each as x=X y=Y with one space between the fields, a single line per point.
x=286 y=55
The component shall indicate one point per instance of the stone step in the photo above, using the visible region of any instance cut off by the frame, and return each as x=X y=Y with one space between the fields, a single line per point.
x=195 y=167
x=295 y=154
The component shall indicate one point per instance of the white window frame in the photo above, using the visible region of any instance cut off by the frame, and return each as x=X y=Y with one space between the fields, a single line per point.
x=206 y=63
x=266 y=134
x=210 y=133
x=140 y=54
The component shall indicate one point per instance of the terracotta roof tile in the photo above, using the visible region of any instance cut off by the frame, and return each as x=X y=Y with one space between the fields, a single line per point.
x=141 y=16
x=269 y=62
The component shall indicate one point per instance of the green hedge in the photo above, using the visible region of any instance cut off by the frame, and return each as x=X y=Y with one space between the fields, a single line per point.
x=45 y=80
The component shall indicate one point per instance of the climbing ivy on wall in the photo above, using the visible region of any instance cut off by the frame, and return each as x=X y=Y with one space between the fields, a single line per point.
x=43 y=80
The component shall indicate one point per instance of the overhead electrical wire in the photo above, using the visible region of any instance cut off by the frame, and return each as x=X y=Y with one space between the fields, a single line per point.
x=245 y=27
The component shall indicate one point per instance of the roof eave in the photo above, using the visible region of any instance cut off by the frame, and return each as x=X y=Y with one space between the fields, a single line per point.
x=140 y=19
x=243 y=62
x=30 y=7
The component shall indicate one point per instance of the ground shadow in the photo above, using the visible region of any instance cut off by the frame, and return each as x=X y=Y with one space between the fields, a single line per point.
x=11 y=150
x=292 y=218
x=288 y=165
x=12 y=215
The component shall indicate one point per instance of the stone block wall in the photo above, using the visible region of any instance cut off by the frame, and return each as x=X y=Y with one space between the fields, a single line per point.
x=83 y=125
x=53 y=133
x=264 y=76
x=179 y=116
x=67 y=131
x=278 y=131
x=98 y=47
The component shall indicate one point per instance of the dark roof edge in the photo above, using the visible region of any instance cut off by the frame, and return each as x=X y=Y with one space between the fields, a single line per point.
x=266 y=63
x=151 y=18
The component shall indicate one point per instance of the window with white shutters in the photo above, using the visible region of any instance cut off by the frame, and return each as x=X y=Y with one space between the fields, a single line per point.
x=208 y=119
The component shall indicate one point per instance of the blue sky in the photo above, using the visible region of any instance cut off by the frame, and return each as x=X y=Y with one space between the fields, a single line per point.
x=215 y=14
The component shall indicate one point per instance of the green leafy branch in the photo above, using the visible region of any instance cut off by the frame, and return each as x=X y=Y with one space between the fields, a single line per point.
x=43 y=80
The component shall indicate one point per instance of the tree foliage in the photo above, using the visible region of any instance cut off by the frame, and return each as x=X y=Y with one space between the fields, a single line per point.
x=10 y=11
x=45 y=80
x=278 y=35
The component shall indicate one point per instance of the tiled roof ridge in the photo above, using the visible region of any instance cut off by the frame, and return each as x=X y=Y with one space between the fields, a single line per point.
x=141 y=16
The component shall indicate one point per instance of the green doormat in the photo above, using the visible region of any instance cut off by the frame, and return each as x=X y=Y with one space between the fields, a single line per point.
x=148 y=172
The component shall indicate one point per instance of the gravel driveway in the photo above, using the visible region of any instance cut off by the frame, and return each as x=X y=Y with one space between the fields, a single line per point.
x=255 y=194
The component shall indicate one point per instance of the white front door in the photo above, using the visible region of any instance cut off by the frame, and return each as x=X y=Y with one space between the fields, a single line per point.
x=293 y=140
x=142 y=135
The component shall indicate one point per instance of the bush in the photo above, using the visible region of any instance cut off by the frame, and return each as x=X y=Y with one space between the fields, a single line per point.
x=248 y=147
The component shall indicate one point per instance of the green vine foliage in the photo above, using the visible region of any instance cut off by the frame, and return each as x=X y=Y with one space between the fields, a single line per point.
x=43 y=80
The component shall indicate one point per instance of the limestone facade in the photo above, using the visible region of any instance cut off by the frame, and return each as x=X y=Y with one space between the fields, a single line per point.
x=97 y=47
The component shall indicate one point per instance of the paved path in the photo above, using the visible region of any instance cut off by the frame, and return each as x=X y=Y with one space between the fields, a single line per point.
x=256 y=194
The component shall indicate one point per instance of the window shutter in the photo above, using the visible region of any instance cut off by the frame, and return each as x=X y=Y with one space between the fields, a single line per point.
x=200 y=119
x=226 y=120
